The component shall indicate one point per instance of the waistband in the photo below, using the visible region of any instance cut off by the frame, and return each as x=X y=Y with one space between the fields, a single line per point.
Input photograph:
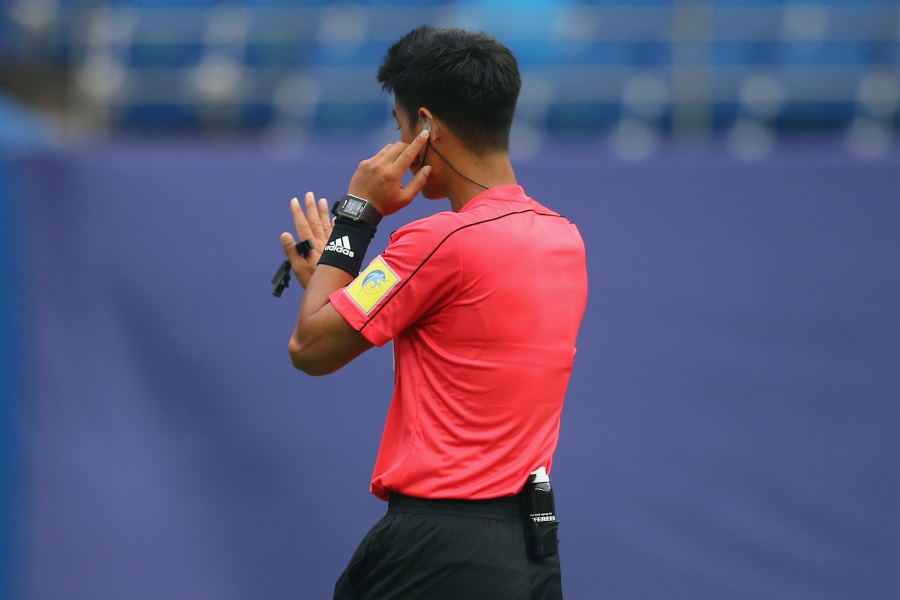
x=507 y=507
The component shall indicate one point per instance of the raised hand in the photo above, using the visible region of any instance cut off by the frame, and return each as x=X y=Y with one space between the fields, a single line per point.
x=314 y=226
x=379 y=179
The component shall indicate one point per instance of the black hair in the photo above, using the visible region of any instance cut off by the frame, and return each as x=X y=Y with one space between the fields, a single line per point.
x=468 y=79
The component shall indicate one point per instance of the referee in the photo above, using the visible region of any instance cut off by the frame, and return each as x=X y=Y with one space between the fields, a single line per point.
x=483 y=303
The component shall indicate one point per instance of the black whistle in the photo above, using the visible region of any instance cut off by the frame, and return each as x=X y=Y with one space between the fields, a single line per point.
x=282 y=277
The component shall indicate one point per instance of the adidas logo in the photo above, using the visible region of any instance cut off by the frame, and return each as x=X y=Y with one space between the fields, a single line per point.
x=342 y=245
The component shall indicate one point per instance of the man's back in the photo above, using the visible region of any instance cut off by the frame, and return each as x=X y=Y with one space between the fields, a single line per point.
x=484 y=314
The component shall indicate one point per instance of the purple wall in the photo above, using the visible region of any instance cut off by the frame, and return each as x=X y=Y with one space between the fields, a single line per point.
x=731 y=429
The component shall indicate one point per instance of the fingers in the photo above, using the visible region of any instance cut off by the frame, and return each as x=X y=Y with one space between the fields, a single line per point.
x=312 y=215
x=400 y=156
x=385 y=154
x=325 y=218
x=380 y=178
x=290 y=251
x=300 y=221
x=406 y=158
x=384 y=151
x=288 y=245
x=415 y=185
x=395 y=150
x=302 y=267
x=404 y=154
x=313 y=223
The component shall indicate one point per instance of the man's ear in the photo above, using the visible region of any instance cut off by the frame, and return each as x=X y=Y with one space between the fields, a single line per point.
x=426 y=116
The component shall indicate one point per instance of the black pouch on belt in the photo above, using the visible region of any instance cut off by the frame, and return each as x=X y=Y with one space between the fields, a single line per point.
x=540 y=516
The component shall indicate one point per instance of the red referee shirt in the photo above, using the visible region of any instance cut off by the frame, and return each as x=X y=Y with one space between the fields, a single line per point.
x=483 y=306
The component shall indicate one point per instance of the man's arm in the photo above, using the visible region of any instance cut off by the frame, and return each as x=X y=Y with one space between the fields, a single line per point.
x=323 y=341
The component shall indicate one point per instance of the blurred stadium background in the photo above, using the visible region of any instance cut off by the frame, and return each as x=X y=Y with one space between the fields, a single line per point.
x=640 y=70
x=732 y=428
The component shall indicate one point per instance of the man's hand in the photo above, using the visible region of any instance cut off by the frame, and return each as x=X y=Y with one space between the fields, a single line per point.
x=314 y=226
x=379 y=179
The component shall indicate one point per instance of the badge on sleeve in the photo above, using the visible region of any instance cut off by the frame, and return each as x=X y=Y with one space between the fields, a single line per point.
x=372 y=284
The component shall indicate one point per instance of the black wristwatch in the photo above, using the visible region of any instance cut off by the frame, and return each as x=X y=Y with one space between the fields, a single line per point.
x=356 y=209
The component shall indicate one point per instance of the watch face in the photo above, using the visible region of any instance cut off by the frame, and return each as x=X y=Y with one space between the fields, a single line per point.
x=353 y=207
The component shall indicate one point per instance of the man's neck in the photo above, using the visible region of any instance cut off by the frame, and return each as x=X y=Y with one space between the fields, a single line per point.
x=491 y=170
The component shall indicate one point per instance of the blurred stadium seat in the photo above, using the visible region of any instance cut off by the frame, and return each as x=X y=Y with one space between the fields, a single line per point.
x=191 y=64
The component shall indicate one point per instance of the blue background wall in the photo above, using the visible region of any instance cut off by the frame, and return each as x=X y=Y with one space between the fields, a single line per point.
x=731 y=429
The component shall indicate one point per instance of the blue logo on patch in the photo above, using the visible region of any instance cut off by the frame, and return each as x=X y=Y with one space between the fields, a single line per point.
x=374 y=280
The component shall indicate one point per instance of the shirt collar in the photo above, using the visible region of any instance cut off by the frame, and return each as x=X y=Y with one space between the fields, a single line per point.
x=508 y=193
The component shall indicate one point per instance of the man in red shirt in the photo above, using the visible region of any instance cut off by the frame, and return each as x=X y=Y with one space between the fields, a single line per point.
x=483 y=303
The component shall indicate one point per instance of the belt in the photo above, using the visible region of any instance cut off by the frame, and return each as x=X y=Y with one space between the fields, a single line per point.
x=506 y=507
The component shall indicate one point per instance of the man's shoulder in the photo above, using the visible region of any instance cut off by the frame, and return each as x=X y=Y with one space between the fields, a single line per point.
x=431 y=229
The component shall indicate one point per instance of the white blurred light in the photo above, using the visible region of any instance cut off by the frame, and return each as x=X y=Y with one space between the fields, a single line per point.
x=451 y=16
x=282 y=140
x=645 y=95
x=227 y=25
x=109 y=27
x=574 y=24
x=762 y=95
x=216 y=79
x=750 y=140
x=34 y=15
x=633 y=140
x=880 y=94
x=525 y=140
x=343 y=25
x=535 y=97
x=101 y=78
x=867 y=138
x=297 y=96
x=804 y=21
x=386 y=134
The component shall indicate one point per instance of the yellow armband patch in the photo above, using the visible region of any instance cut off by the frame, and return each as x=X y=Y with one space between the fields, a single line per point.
x=372 y=285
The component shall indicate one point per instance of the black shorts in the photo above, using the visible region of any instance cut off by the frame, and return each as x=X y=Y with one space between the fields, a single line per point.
x=448 y=549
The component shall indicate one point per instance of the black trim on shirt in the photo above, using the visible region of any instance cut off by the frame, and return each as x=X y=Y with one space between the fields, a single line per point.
x=446 y=237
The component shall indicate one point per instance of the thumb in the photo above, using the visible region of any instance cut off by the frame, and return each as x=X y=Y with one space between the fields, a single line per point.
x=288 y=245
x=416 y=184
x=298 y=263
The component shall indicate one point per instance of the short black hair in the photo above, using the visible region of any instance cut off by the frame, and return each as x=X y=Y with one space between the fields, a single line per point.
x=468 y=79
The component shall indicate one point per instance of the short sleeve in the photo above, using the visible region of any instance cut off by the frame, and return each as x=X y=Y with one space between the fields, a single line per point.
x=414 y=277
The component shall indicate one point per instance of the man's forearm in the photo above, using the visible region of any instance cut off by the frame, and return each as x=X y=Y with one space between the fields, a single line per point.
x=325 y=280
x=322 y=341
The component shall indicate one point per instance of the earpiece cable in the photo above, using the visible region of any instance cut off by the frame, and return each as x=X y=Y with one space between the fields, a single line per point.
x=449 y=164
